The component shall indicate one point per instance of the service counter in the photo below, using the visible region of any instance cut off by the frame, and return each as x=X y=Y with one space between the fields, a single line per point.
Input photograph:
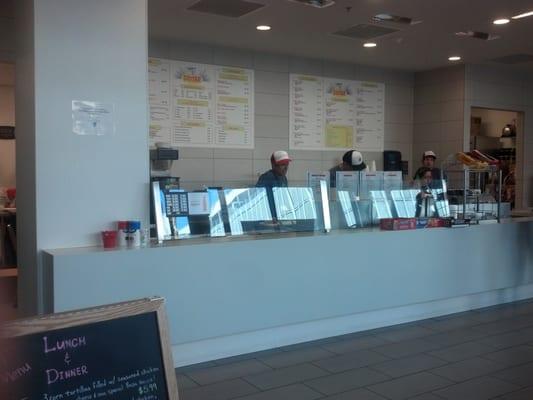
x=227 y=296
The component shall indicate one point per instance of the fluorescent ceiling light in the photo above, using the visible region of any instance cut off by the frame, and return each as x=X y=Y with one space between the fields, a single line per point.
x=454 y=58
x=501 y=21
x=526 y=14
x=370 y=44
x=263 y=27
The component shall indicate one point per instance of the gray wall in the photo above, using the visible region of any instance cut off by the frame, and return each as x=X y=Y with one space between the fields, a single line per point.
x=71 y=186
x=506 y=89
x=199 y=167
x=438 y=115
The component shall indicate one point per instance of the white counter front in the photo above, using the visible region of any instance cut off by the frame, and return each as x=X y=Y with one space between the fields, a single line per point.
x=227 y=297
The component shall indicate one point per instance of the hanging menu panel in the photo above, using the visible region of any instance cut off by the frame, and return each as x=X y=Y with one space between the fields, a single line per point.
x=336 y=114
x=200 y=105
x=306 y=112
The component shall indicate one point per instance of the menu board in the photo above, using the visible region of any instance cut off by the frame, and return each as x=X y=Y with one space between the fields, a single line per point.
x=119 y=351
x=200 y=105
x=336 y=114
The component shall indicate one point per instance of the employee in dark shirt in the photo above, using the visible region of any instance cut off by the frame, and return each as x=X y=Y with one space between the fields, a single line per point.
x=428 y=161
x=351 y=161
x=276 y=177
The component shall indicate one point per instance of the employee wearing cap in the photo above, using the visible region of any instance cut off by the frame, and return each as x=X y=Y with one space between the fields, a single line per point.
x=276 y=177
x=428 y=161
x=351 y=161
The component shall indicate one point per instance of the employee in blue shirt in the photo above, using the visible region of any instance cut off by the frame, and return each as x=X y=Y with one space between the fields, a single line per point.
x=275 y=177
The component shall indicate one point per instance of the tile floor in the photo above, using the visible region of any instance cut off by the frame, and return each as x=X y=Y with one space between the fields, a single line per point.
x=475 y=355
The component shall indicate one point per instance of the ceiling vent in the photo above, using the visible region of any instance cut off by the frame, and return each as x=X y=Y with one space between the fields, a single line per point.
x=514 y=59
x=394 y=19
x=315 y=3
x=365 y=31
x=477 y=35
x=226 y=8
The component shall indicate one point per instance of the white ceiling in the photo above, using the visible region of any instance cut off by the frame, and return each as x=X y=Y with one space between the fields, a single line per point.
x=307 y=31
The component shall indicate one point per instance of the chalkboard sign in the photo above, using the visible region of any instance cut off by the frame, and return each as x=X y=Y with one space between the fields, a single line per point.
x=117 y=352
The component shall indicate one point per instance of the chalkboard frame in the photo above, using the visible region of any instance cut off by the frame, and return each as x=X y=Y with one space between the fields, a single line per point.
x=28 y=326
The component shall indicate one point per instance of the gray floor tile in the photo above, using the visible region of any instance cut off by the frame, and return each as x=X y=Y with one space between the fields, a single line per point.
x=512 y=356
x=451 y=323
x=312 y=343
x=426 y=396
x=477 y=389
x=299 y=356
x=293 y=392
x=345 y=381
x=356 y=359
x=467 y=369
x=354 y=344
x=285 y=376
x=506 y=325
x=521 y=375
x=462 y=351
x=452 y=338
x=219 y=391
x=408 y=365
x=184 y=382
x=358 y=394
x=247 y=356
x=407 y=348
x=195 y=367
x=509 y=339
x=229 y=371
x=410 y=386
x=406 y=333
x=524 y=394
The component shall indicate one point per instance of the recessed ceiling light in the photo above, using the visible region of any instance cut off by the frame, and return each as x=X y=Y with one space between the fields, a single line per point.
x=263 y=27
x=526 y=14
x=501 y=21
x=454 y=58
x=370 y=44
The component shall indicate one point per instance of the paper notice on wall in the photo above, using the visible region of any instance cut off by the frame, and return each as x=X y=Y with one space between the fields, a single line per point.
x=93 y=118
x=201 y=105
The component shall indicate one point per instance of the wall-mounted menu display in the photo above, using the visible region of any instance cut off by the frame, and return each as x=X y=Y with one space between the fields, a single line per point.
x=336 y=114
x=200 y=105
x=119 y=351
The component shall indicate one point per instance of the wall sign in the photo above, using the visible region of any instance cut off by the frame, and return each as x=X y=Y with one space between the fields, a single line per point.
x=200 y=105
x=7 y=132
x=336 y=114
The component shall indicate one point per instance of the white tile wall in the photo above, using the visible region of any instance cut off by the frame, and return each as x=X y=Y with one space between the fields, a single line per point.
x=271 y=62
x=222 y=167
x=439 y=112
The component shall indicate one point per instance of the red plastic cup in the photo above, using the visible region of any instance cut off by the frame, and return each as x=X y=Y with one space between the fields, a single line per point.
x=109 y=238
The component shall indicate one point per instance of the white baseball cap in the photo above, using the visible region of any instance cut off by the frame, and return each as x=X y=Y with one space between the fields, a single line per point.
x=280 y=157
x=429 y=153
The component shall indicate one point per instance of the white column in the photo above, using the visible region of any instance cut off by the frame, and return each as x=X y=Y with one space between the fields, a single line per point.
x=72 y=186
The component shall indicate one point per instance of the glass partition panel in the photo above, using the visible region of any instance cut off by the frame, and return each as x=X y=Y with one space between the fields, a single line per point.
x=350 y=212
x=248 y=211
x=296 y=209
x=216 y=214
x=404 y=202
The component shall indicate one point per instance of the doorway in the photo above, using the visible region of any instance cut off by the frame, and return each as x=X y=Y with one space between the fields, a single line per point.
x=499 y=133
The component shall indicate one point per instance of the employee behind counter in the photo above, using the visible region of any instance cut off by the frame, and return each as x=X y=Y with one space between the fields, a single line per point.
x=351 y=161
x=275 y=177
